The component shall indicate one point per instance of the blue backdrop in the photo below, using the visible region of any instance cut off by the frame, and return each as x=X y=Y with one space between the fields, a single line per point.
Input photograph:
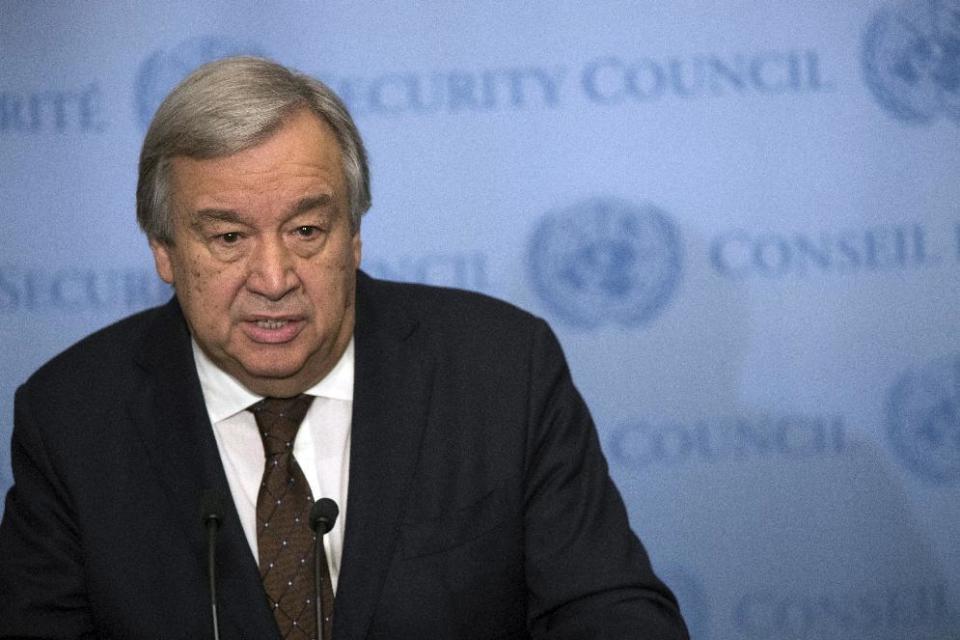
x=741 y=218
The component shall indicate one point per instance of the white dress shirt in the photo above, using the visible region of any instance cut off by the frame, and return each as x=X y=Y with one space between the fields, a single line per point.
x=322 y=446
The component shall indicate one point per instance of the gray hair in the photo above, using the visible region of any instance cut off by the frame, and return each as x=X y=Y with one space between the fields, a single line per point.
x=231 y=105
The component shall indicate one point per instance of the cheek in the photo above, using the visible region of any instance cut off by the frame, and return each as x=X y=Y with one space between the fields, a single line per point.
x=201 y=277
x=209 y=287
x=327 y=269
x=329 y=284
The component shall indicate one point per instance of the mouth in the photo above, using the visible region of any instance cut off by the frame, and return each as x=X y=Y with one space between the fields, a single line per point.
x=272 y=330
x=271 y=324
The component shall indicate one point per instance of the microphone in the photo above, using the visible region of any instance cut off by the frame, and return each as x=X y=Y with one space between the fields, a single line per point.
x=211 y=516
x=323 y=516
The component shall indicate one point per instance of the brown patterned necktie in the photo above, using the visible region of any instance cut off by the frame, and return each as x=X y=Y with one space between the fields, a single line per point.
x=284 y=537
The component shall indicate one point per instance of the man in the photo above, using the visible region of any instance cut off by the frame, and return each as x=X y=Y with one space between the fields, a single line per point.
x=475 y=501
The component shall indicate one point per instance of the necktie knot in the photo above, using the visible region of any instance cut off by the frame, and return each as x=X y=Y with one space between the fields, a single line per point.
x=278 y=420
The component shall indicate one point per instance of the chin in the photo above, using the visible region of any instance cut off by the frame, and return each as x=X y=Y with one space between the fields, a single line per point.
x=272 y=372
x=273 y=367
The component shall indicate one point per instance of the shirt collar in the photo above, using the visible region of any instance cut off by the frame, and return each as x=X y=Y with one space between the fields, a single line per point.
x=225 y=396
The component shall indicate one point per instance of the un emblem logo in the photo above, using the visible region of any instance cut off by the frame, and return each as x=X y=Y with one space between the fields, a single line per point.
x=923 y=419
x=605 y=260
x=911 y=60
x=161 y=71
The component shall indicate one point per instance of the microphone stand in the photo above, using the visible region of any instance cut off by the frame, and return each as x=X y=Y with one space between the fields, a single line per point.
x=211 y=515
x=323 y=515
x=317 y=583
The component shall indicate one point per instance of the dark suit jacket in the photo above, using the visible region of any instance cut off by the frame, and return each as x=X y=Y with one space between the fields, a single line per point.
x=479 y=500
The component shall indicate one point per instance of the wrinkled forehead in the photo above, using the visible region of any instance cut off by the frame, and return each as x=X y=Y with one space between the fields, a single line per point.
x=303 y=154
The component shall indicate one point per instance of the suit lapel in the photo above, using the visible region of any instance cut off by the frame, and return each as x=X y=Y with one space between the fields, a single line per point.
x=171 y=416
x=390 y=400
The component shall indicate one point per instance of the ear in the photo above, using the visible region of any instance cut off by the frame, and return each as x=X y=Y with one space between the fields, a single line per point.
x=355 y=245
x=162 y=259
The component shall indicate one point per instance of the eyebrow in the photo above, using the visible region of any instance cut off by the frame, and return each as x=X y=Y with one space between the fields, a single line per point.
x=309 y=203
x=215 y=215
x=303 y=205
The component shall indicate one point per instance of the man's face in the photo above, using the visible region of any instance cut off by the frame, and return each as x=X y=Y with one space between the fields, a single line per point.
x=264 y=259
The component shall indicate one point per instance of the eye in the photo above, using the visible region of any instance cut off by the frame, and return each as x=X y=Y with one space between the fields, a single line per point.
x=307 y=231
x=231 y=237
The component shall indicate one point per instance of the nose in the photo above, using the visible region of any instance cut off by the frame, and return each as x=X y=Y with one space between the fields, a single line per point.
x=271 y=271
